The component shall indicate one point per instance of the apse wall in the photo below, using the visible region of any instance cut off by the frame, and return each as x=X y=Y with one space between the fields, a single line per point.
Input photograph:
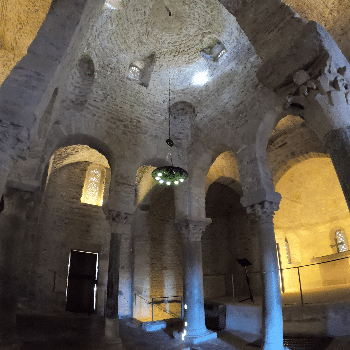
x=157 y=249
x=64 y=224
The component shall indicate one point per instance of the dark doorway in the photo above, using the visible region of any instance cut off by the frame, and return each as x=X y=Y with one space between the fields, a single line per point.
x=82 y=280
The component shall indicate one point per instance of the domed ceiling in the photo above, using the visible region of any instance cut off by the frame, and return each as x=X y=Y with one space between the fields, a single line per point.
x=174 y=32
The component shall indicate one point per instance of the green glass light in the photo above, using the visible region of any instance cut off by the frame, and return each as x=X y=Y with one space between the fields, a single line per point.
x=169 y=175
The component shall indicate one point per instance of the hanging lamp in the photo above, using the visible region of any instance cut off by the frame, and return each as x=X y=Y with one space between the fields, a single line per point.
x=169 y=174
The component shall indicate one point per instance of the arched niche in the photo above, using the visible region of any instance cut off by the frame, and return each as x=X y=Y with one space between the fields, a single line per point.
x=229 y=237
x=67 y=222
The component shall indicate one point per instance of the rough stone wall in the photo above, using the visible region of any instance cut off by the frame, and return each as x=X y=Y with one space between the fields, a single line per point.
x=333 y=15
x=64 y=224
x=157 y=253
x=20 y=22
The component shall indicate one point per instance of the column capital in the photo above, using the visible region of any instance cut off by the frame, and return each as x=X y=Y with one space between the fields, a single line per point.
x=191 y=229
x=263 y=210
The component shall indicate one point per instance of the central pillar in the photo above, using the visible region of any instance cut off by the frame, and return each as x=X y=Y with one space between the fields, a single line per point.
x=12 y=221
x=338 y=146
x=120 y=225
x=6 y=163
x=272 y=304
x=191 y=231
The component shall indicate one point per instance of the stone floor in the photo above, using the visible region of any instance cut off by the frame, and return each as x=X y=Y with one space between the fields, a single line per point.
x=81 y=332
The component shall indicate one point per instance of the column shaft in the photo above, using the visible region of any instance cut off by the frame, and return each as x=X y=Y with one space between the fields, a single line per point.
x=111 y=311
x=191 y=230
x=11 y=228
x=338 y=146
x=193 y=288
x=272 y=303
x=5 y=166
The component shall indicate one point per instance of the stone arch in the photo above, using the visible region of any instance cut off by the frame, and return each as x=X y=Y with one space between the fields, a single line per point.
x=77 y=139
x=294 y=161
x=290 y=140
x=61 y=30
x=144 y=182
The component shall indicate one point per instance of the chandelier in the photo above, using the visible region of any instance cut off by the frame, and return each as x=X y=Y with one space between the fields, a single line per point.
x=169 y=174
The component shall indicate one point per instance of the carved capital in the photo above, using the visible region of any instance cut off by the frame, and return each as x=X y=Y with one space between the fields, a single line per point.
x=14 y=140
x=263 y=211
x=192 y=229
x=329 y=81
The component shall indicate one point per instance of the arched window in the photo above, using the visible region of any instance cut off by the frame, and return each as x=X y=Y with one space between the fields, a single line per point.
x=340 y=241
x=94 y=185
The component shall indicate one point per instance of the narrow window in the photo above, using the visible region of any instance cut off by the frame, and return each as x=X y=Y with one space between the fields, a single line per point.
x=94 y=185
x=286 y=245
x=340 y=241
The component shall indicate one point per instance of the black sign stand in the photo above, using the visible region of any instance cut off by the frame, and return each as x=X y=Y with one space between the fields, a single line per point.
x=244 y=262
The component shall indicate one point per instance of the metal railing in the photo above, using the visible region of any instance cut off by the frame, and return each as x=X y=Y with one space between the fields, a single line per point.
x=155 y=301
x=313 y=281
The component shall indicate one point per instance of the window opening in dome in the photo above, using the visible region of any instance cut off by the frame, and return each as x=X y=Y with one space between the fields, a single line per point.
x=135 y=73
x=340 y=242
x=94 y=185
x=200 y=78
x=214 y=51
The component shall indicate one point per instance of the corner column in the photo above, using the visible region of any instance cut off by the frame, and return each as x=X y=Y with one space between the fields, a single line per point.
x=272 y=304
x=120 y=224
x=191 y=231
x=338 y=146
x=6 y=163
x=12 y=220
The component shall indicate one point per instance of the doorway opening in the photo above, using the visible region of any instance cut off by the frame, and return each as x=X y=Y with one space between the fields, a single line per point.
x=82 y=281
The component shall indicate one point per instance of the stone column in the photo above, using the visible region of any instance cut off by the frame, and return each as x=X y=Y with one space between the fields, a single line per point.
x=338 y=146
x=11 y=233
x=191 y=231
x=14 y=141
x=5 y=166
x=272 y=304
x=120 y=226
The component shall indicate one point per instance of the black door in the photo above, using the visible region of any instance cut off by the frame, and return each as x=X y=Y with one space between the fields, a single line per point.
x=81 y=282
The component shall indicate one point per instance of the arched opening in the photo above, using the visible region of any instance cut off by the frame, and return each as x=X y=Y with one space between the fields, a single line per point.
x=231 y=237
x=157 y=249
x=69 y=259
x=312 y=228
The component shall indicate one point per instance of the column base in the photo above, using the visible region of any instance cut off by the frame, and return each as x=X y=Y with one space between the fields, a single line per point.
x=195 y=339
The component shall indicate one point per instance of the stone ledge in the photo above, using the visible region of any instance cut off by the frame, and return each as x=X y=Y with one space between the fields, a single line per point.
x=153 y=326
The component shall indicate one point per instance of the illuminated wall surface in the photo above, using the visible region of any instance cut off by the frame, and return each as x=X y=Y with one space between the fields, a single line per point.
x=157 y=251
x=312 y=210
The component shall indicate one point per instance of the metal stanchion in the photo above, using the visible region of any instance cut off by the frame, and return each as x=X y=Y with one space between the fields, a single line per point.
x=301 y=292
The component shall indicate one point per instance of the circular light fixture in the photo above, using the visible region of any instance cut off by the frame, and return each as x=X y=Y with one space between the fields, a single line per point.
x=170 y=175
